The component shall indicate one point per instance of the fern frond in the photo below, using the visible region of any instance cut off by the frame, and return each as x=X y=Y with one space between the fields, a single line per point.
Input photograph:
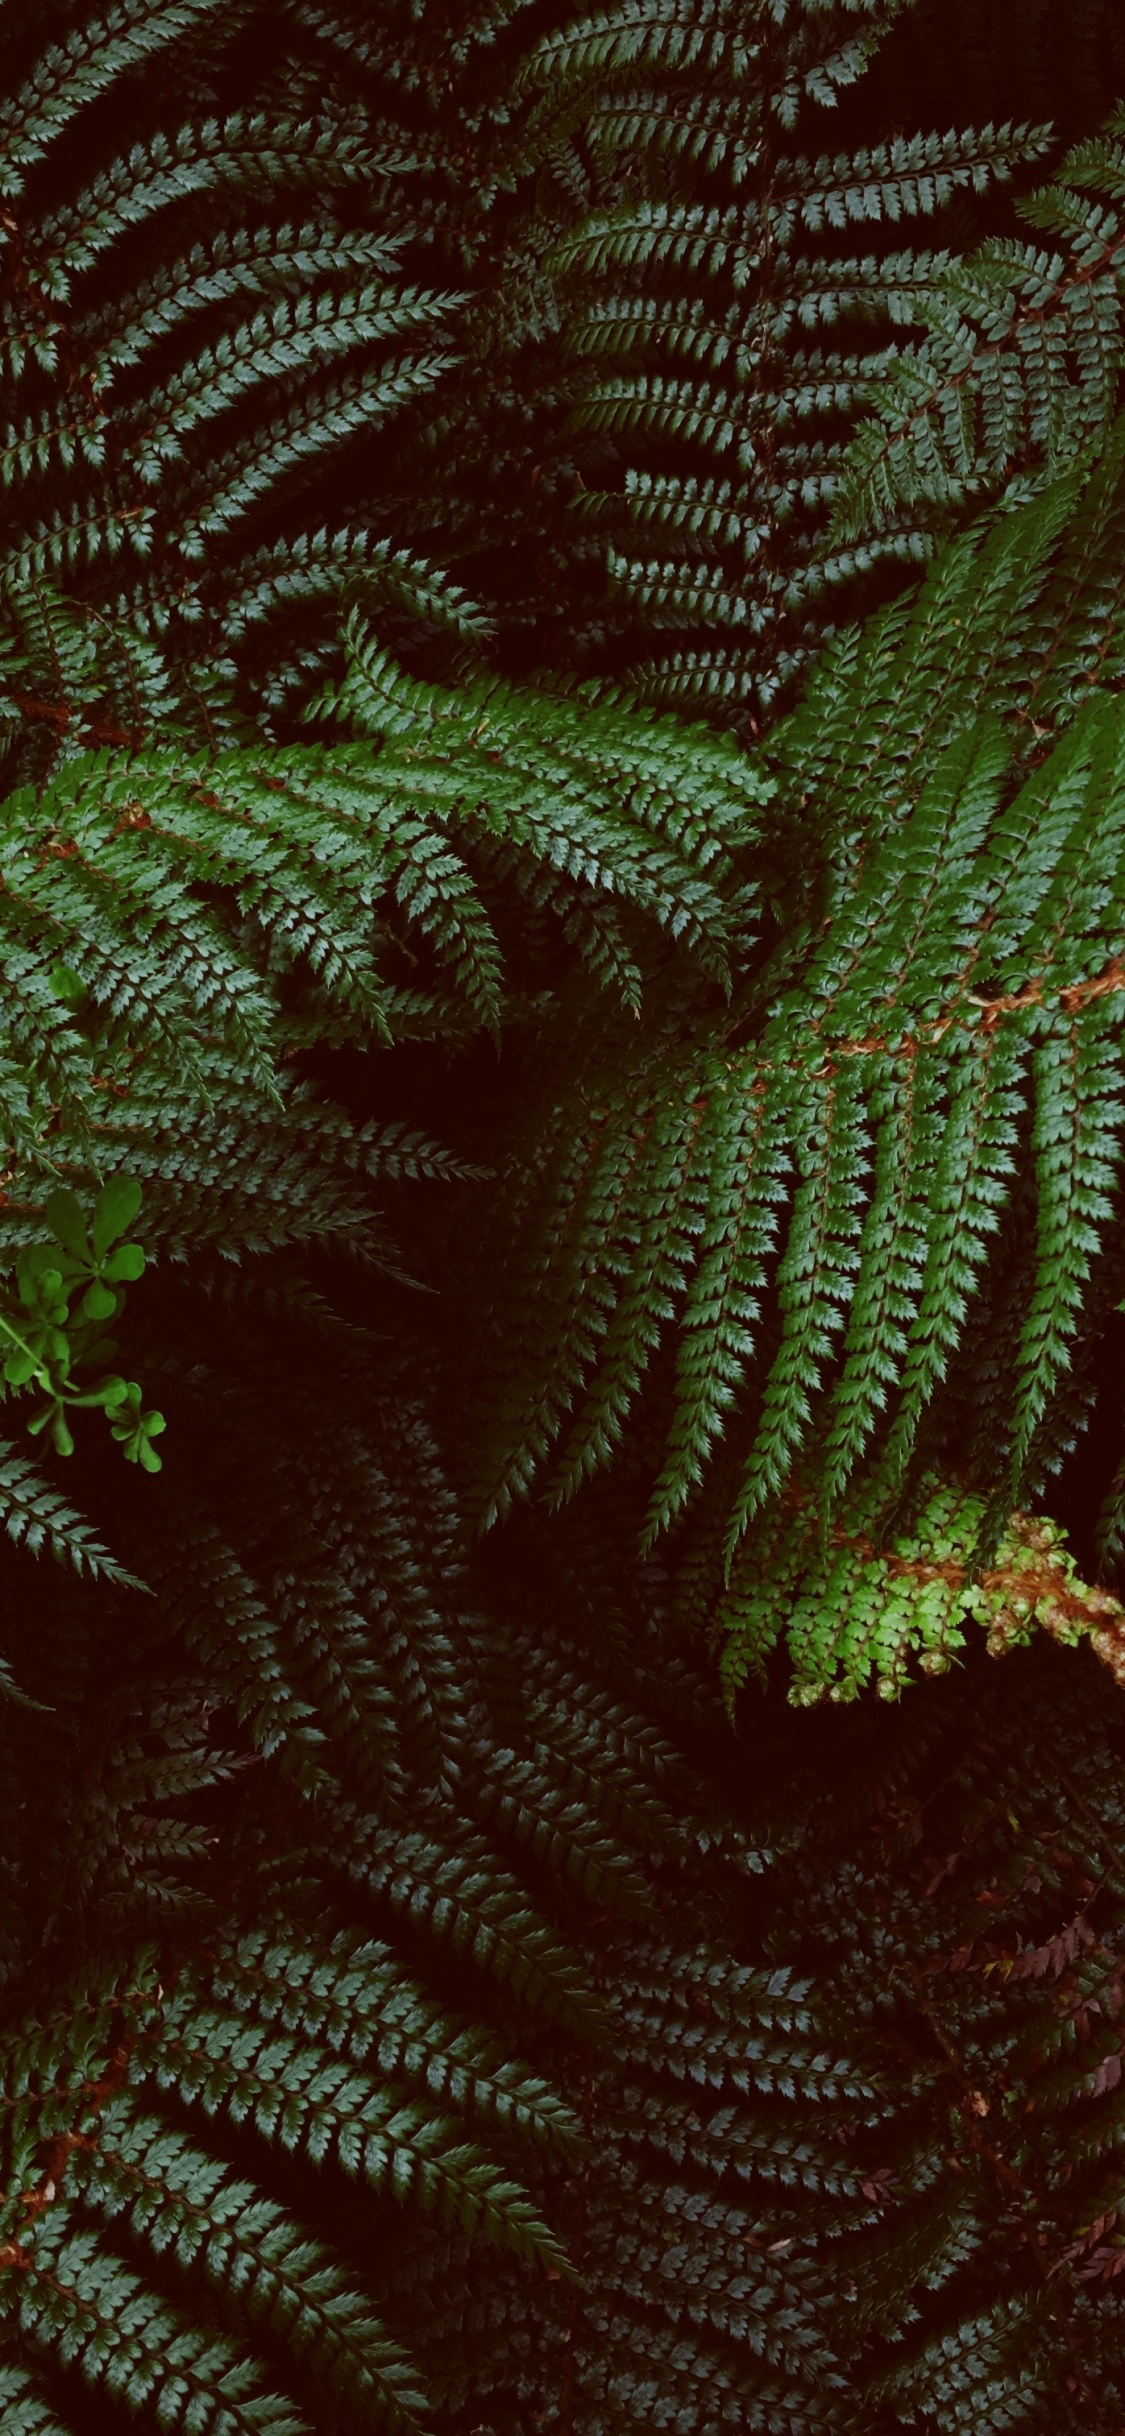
x=720 y=242
x=1019 y=368
x=184 y=2204
x=72 y=75
x=37 y=1518
x=844 y=1143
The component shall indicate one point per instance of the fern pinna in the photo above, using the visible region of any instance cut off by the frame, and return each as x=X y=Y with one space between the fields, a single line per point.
x=405 y=305
x=181 y=932
x=449 y=1929
x=303 y=1758
x=273 y=319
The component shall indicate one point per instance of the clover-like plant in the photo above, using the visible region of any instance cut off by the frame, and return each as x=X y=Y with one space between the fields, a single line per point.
x=68 y=1290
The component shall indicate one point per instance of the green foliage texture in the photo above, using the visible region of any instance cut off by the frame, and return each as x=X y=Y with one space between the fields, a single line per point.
x=562 y=955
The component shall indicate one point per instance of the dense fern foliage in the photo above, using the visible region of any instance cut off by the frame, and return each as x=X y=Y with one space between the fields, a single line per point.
x=179 y=931
x=836 y=2147
x=505 y=1194
x=736 y=307
x=749 y=290
x=873 y=1188
x=235 y=290
x=1021 y=362
x=481 y=309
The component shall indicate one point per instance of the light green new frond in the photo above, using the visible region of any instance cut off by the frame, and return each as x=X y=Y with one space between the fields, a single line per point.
x=854 y=1610
x=763 y=1246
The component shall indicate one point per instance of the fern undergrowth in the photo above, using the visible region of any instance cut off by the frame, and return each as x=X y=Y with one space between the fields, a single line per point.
x=562 y=954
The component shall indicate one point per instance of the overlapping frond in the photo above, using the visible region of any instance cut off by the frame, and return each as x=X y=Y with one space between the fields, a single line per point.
x=1019 y=366
x=209 y=382
x=778 y=1230
x=178 y=924
x=418 y=2011
x=729 y=330
x=818 y=2181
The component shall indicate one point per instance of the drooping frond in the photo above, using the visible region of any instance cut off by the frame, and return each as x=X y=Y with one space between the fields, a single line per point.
x=177 y=924
x=851 y=1610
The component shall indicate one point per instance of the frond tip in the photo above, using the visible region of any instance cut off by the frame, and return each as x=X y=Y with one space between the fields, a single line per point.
x=854 y=1609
